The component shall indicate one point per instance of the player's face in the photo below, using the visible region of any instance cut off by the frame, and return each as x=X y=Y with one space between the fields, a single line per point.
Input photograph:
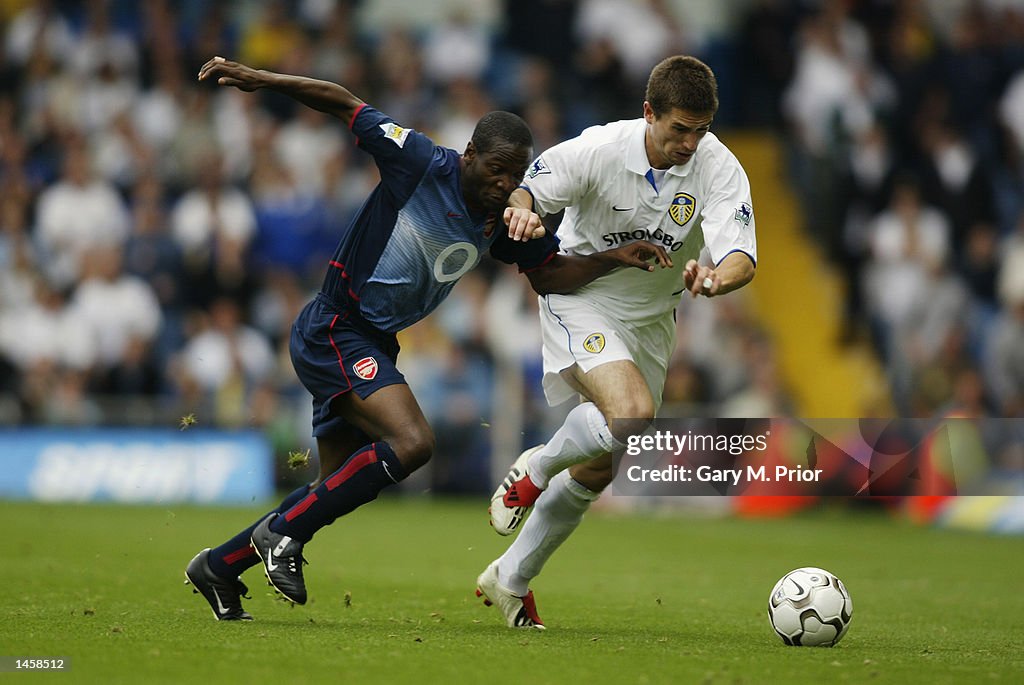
x=672 y=138
x=490 y=177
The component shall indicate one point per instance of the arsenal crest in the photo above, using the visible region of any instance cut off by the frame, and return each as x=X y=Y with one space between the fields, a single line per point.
x=366 y=368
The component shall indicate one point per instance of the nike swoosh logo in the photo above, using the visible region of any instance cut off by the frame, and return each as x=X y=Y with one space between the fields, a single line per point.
x=220 y=605
x=271 y=566
x=622 y=209
x=276 y=551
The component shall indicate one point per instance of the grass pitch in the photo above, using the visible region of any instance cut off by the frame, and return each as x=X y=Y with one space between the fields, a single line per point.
x=629 y=599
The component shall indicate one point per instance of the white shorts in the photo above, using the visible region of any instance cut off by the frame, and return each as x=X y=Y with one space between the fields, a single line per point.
x=576 y=331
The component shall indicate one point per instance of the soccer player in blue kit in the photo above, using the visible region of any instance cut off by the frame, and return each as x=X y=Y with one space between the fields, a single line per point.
x=427 y=223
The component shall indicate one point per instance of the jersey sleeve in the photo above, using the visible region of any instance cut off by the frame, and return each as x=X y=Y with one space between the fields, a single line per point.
x=402 y=154
x=559 y=177
x=529 y=255
x=728 y=215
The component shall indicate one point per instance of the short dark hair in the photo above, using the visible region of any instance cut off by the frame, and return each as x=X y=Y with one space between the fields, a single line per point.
x=497 y=128
x=682 y=82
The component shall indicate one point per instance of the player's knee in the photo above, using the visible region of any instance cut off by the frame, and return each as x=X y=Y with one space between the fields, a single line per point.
x=414 y=448
x=636 y=407
x=630 y=416
x=594 y=475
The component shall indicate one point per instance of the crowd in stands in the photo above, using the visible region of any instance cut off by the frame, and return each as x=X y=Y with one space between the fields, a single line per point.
x=905 y=121
x=158 y=235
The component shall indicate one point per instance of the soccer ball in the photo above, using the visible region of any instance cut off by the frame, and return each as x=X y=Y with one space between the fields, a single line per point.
x=810 y=607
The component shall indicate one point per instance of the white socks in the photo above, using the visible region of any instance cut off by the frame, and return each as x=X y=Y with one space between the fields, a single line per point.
x=583 y=436
x=556 y=515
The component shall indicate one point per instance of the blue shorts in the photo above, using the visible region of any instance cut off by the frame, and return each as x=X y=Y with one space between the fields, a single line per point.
x=335 y=352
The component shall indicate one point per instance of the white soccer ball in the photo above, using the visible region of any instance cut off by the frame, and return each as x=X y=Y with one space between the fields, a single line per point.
x=810 y=607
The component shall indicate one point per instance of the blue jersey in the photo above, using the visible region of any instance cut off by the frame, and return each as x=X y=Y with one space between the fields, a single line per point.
x=414 y=237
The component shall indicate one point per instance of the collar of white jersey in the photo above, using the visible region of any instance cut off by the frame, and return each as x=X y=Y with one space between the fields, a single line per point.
x=636 y=154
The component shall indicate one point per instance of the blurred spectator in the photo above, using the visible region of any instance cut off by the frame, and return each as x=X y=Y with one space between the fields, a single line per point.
x=766 y=60
x=640 y=33
x=150 y=252
x=978 y=264
x=34 y=342
x=214 y=224
x=547 y=36
x=1011 y=110
x=306 y=145
x=38 y=28
x=106 y=62
x=399 y=87
x=1005 y=353
x=464 y=102
x=866 y=184
x=954 y=179
x=119 y=311
x=121 y=154
x=907 y=241
x=336 y=53
x=456 y=49
x=223 y=360
x=158 y=115
x=36 y=333
x=970 y=74
x=293 y=221
x=100 y=48
x=75 y=214
x=17 y=257
x=834 y=96
x=931 y=338
x=1009 y=174
x=268 y=39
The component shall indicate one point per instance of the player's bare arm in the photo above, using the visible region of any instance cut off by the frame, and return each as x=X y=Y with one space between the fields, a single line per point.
x=565 y=273
x=523 y=223
x=324 y=96
x=735 y=271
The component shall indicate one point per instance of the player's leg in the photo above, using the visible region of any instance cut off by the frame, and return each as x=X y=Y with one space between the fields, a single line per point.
x=590 y=352
x=573 y=476
x=236 y=555
x=626 y=395
x=349 y=369
x=620 y=404
x=401 y=442
x=558 y=512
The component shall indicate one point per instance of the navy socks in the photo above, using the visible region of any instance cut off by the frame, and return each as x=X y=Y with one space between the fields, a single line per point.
x=358 y=481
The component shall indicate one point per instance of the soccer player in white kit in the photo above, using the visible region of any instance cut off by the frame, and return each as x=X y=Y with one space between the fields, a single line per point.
x=663 y=178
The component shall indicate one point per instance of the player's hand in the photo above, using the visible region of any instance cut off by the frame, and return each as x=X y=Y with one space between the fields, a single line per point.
x=639 y=254
x=701 y=280
x=523 y=224
x=230 y=73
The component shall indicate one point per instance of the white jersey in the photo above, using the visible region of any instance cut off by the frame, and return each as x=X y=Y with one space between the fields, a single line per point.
x=604 y=182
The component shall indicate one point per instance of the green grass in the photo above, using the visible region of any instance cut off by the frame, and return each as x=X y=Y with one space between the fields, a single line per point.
x=630 y=599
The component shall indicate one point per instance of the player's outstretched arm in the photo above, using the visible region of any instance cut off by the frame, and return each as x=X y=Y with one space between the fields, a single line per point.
x=324 y=96
x=565 y=273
